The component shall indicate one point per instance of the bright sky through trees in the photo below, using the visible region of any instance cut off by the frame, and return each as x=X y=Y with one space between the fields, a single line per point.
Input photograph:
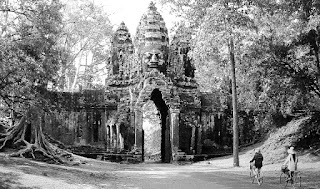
x=130 y=11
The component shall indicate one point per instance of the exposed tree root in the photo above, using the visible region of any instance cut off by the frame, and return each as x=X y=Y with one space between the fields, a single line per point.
x=28 y=139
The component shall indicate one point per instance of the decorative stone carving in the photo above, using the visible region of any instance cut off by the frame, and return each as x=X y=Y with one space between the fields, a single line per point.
x=181 y=65
x=121 y=50
x=146 y=71
x=152 y=40
x=153 y=59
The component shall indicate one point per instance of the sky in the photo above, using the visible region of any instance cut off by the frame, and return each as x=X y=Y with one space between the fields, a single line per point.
x=130 y=12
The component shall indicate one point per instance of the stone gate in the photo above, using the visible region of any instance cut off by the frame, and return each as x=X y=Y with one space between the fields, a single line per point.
x=151 y=104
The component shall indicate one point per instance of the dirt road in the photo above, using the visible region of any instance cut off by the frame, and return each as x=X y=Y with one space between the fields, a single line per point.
x=154 y=176
x=24 y=174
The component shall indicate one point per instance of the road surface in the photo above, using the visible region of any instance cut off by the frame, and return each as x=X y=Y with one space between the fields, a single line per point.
x=167 y=176
x=17 y=173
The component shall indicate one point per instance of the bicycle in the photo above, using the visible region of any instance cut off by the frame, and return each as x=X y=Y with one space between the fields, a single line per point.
x=294 y=181
x=255 y=174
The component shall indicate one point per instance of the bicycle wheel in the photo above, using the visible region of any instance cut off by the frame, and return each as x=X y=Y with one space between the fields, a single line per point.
x=283 y=177
x=294 y=182
x=287 y=183
x=297 y=180
x=252 y=176
x=259 y=179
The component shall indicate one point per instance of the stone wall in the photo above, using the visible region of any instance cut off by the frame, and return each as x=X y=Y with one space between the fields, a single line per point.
x=204 y=130
x=77 y=127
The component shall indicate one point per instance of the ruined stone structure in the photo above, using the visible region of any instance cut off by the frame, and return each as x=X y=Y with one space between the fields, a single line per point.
x=158 y=74
x=151 y=105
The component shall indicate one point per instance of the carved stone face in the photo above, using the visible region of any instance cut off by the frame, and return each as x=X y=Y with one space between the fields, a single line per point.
x=153 y=58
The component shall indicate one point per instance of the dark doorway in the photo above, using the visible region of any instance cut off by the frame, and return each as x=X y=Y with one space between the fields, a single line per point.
x=156 y=97
x=96 y=122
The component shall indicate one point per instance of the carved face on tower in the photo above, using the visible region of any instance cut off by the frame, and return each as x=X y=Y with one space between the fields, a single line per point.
x=153 y=58
x=152 y=40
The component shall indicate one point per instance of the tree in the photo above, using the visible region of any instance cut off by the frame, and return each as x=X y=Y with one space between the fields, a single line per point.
x=223 y=23
x=288 y=65
x=29 y=54
x=30 y=58
x=86 y=36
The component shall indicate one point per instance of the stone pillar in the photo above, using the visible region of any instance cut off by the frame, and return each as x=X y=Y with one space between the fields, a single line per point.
x=199 y=144
x=117 y=137
x=132 y=128
x=174 y=123
x=103 y=128
x=193 y=140
x=107 y=137
x=138 y=129
x=111 y=137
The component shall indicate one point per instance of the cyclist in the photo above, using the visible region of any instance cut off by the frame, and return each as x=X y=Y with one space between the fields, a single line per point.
x=292 y=162
x=257 y=159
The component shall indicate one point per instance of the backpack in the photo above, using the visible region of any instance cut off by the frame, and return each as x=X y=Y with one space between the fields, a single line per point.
x=258 y=160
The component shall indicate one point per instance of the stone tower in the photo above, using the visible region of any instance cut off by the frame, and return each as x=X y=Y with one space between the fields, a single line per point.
x=151 y=105
x=122 y=47
x=158 y=72
x=151 y=40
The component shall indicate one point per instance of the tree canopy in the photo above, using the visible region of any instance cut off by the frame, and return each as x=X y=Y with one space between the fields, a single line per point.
x=276 y=50
x=43 y=42
x=30 y=58
x=29 y=54
x=86 y=36
x=39 y=44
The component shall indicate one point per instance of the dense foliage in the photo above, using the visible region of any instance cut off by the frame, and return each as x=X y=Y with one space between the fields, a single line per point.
x=39 y=43
x=60 y=43
x=30 y=58
x=29 y=54
x=276 y=52
x=86 y=36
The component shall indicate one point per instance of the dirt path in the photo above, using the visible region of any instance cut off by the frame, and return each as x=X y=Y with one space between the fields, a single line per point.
x=24 y=174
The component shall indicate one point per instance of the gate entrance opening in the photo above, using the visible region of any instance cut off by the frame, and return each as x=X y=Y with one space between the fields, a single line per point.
x=156 y=130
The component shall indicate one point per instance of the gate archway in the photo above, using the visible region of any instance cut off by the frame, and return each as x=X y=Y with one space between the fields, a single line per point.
x=160 y=91
x=156 y=129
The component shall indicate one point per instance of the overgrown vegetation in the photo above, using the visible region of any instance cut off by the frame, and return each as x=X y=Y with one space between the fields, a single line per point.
x=276 y=54
x=41 y=45
x=30 y=58
x=308 y=136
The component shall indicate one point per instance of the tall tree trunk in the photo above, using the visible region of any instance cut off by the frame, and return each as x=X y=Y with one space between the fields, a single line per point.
x=75 y=78
x=234 y=105
x=317 y=59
